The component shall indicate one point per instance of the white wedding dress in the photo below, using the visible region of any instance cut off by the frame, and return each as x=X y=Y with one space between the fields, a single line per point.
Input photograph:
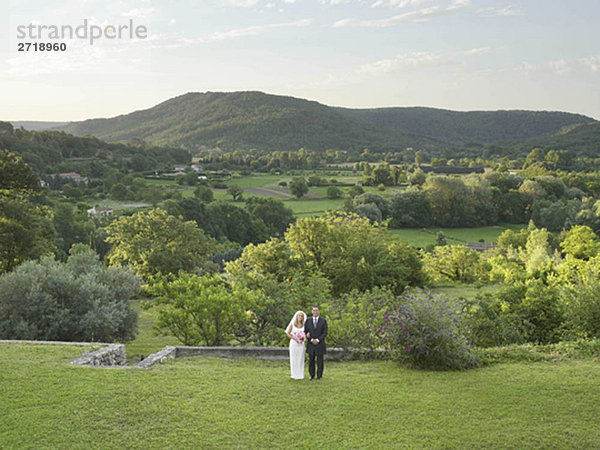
x=296 y=356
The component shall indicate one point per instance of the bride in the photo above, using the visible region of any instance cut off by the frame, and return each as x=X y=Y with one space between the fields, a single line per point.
x=295 y=331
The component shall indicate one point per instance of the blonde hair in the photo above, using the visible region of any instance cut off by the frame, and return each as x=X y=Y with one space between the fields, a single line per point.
x=299 y=320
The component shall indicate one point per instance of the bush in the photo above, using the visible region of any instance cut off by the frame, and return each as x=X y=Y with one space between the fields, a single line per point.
x=425 y=331
x=582 y=304
x=355 y=318
x=334 y=192
x=523 y=312
x=197 y=310
x=78 y=301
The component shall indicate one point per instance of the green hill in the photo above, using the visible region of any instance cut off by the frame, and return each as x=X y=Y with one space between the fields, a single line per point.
x=249 y=120
x=472 y=126
x=581 y=140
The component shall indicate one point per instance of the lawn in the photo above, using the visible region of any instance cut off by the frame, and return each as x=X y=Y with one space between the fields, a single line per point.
x=214 y=403
x=147 y=341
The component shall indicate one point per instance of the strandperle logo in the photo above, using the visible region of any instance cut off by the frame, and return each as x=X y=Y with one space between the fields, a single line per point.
x=84 y=31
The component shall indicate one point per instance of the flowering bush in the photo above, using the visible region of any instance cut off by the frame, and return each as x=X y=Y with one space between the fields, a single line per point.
x=425 y=331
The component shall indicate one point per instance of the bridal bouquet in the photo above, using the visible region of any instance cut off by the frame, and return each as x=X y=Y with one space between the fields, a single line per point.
x=300 y=337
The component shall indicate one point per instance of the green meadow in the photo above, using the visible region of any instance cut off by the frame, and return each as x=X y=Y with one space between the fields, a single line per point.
x=422 y=237
x=216 y=403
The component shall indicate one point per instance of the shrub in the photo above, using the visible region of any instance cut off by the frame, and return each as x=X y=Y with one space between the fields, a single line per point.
x=425 y=331
x=355 y=318
x=78 y=301
x=455 y=263
x=334 y=192
x=523 y=312
x=197 y=310
x=582 y=303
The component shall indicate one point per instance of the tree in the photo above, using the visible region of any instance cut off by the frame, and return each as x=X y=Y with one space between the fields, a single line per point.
x=410 y=208
x=272 y=212
x=417 y=178
x=370 y=198
x=81 y=300
x=581 y=242
x=198 y=310
x=449 y=198
x=16 y=176
x=26 y=232
x=204 y=193
x=235 y=191
x=153 y=241
x=334 y=192
x=419 y=158
x=72 y=226
x=298 y=187
x=348 y=250
x=120 y=192
x=236 y=224
x=455 y=263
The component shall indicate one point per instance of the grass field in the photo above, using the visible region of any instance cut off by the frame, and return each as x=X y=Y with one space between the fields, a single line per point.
x=422 y=237
x=312 y=207
x=212 y=403
x=117 y=205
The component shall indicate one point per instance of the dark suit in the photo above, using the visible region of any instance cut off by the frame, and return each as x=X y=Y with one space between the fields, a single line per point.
x=316 y=351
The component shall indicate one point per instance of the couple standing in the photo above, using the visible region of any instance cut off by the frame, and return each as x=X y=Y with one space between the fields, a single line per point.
x=312 y=331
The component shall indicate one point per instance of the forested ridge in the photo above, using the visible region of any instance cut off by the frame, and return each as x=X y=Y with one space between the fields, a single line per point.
x=263 y=122
x=469 y=126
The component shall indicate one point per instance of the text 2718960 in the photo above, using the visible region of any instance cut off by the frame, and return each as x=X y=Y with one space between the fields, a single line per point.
x=41 y=47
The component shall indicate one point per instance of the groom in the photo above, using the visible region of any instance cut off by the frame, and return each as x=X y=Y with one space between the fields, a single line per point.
x=317 y=327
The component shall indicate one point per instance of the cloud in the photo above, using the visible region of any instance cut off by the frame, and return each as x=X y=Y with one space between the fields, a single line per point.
x=478 y=51
x=592 y=62
x=399 y=3
x=241 y=3
x=253 y=30
x=179 y=41
x=506 y=11
x=419 y=15
x=407 y=60
x=141 y=13
x=558 y=67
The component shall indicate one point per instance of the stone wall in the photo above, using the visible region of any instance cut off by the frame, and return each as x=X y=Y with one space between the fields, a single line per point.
x=113 y=355
x=268 y=353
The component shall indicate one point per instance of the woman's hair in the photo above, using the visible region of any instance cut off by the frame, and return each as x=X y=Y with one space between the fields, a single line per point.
x=299 y=320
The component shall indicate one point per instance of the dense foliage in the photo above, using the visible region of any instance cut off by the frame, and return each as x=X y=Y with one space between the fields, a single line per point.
x=154 y=242
x=80 y=300
x=425 y=331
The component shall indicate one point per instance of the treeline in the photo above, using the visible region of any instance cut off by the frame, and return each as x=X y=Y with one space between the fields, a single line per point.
x=56 y=151
x=478 y=200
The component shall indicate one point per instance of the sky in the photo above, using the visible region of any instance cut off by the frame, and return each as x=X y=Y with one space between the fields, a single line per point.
x=453 y=54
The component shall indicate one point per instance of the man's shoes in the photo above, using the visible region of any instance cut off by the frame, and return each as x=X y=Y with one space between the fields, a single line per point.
x=311 y=378
x=318 y=378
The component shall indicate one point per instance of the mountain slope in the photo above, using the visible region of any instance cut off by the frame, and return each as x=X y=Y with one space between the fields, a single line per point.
x=249 y=120
x=471 y=126
x=36 y=125
x=580 y=140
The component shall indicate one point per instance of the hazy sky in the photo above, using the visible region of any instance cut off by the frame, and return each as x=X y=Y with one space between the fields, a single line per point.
x=455 y=54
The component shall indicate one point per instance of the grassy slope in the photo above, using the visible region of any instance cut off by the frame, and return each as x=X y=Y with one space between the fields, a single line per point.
x=250 y=404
